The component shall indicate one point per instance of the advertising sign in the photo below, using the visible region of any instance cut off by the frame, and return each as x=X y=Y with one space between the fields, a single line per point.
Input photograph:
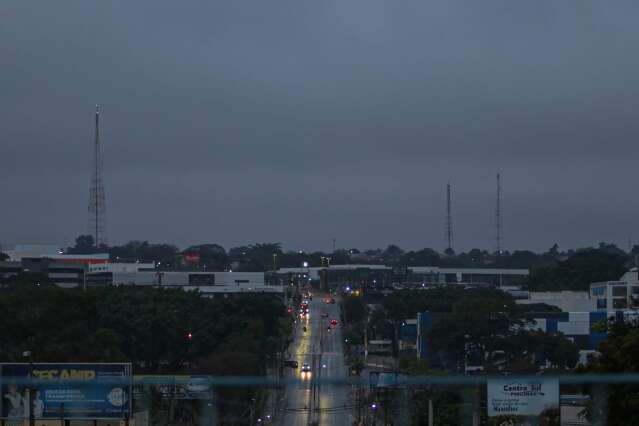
x=529 y=397
x=192 y=257
x=66 y=391
x=174 y=387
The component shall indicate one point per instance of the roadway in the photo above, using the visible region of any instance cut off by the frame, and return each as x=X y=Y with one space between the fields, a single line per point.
x=309 y=400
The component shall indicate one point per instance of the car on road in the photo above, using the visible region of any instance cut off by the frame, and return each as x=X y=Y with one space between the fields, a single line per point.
x=324 y=314
x=306 y=368
x=291 y=363
x=334 y=322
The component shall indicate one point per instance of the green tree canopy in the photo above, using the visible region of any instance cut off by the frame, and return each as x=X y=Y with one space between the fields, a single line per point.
x=354 y=309
x=618 y=354
x=213 y=256
x=577 y=272
x=146 y=326
x=143 y=251
x=84 y=244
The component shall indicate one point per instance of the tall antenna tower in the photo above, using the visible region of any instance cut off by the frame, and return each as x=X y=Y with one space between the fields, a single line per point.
x=449 y=221
x=498 y=215
x=97 y=202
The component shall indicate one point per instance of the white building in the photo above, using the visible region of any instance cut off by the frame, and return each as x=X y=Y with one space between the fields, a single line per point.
x=617 y=295
x=567 y=301
x=314 y=271
x=208 y=283
x=425 y=274
x=121 y=267
x=496 y=276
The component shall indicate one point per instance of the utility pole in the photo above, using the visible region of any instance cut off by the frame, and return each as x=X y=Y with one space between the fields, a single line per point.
x=430 y=412
x=498 y=216
x=97 y=200
x=334 y=240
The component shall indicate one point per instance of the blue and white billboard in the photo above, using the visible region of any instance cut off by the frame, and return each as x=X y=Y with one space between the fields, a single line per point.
x=526 y=397
x=66 y=391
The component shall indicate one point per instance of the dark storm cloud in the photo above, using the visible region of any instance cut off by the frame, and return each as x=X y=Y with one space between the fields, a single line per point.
x=238 y=121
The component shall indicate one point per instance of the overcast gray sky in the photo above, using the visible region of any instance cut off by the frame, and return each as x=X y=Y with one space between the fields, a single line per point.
x=298 y=121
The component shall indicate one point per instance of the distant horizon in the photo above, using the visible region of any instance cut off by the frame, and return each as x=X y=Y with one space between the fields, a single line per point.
x=286 y=249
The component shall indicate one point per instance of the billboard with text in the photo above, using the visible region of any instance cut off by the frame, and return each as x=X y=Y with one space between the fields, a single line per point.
x=526 y=397
x=66 y=391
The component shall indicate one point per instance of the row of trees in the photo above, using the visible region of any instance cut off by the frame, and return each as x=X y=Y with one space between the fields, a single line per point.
x=488 y=321
x=158 y=330
x=618 y=354
x=579 y=270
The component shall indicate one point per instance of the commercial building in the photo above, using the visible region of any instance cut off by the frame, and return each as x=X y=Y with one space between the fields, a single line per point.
x=121 y=267
x=61 y=273
x=207 y=283
x=64 y=270
x=365 y=276
x=567 y=301
x=69 y=271
x=20 y=252
x=583 y=328
x=408 y=335
x=610 y=296
x=499 y=277
x=424 y=325
x=607 y=296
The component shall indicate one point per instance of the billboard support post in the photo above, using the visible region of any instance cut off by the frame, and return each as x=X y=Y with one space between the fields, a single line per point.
x=31 y=390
